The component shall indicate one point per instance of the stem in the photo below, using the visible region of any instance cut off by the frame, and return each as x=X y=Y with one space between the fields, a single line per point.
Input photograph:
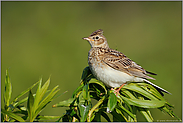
x=94 y=107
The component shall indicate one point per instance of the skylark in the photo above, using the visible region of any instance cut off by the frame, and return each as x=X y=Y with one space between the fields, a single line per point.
x=112 y=67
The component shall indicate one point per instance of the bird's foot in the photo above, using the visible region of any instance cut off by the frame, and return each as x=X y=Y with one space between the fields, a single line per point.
x=116 y=91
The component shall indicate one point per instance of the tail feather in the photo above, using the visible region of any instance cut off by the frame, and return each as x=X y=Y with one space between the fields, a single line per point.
x=150 y=73
x=157 y=87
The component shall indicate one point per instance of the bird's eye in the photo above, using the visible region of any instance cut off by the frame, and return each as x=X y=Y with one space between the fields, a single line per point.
x=93 y=37
x=97 y=37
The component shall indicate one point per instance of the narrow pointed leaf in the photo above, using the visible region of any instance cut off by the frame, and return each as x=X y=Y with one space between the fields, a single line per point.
x=138 y=89
x=25 y=99
x=111 y=102
x=77 y=90
x=121 y=108
x=44 y=89
x=151 y=90
x=8 y=89
x=12 y=115
x=47 y=100
x=85 y=73
x=170 y=112
x=97 y=117
x=146 y=114
x=39 y=95
x=48 y=118
x=95 y=107
x=24 y=92
x=86 y=92
x=118 y=117
x=64 y=103
x=30 y=103
x=37 y=98
x=144 y=103
x=93 y=80
x=105 y=116
x=83 y=112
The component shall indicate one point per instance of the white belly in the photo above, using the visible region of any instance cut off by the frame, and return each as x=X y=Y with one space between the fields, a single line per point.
x=111 y=77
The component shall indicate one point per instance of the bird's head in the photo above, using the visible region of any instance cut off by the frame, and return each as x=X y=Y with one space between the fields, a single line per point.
x=96 y=39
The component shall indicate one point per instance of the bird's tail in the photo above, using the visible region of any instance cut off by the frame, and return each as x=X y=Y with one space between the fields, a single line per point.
x=159 y=89
x=150 y=73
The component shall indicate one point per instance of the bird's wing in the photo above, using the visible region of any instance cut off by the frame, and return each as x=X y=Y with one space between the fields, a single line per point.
x=119 y=61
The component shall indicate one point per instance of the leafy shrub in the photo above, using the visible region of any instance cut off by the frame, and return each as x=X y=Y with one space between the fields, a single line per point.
x=16 y=111
x=135 y=96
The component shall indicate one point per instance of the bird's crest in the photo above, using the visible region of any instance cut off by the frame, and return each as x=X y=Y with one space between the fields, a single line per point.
x=98 y=32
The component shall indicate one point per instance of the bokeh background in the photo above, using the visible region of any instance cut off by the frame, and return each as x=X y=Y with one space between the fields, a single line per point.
x=40 y=39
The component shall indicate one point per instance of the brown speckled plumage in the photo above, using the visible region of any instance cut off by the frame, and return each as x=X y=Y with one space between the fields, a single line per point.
x=112 y=67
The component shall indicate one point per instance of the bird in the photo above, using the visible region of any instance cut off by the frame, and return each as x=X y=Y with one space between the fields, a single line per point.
x=112 y=67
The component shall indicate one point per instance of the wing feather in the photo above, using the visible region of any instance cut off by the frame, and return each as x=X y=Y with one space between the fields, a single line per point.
x=119 y=61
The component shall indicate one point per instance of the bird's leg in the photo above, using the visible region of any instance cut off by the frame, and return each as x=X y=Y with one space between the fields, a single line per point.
x=117 y=90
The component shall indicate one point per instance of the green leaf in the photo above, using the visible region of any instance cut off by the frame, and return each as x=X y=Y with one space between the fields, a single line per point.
x=144 y=111
x=138 y=89
x=111 y=102
x=95 y=81
x=65 y=103
x=135 y=96
x=85 y=73
x=24 y=100
x=37 y=97
x=8 y=89
x=12 y=115
x=24 y=92
x=47 y=118
x=96 y=117
x=86 y=92
x=128 y=94
x=77 y=90
x=44 y=89
x=21 y=110
x=80 y=99
x=118 y=117
x=83 y=112
x=144 y=103
x=30 y=103
x=121 y=108
x=69 y=116
x=47 y=100
x=169 y=111
x=95 y=107
x=149 y=88
x=146 y=114
x=105 y=116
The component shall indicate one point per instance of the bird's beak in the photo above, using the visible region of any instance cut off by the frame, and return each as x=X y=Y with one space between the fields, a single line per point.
x=86 y=39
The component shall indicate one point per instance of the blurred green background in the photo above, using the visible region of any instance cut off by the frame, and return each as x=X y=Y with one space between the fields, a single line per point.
x=40 y=39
